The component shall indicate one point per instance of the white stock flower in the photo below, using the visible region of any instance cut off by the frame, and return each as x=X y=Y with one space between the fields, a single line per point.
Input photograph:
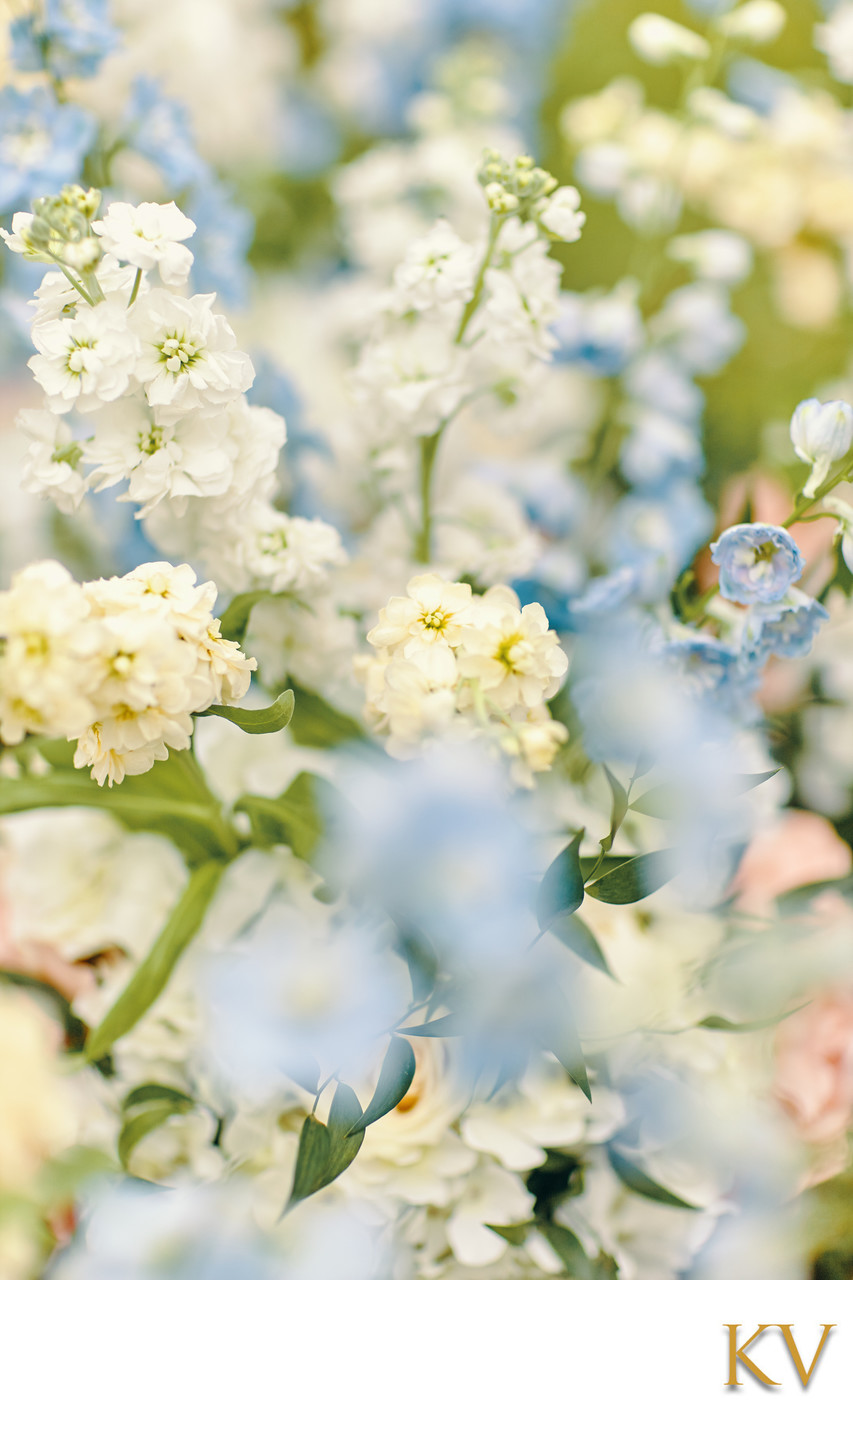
x=561 y=215
x=659 y=40
x=51 y=464
x=190 y=457
x=433 y=613
x=46 y=667
x=511 y=652
x=284 y=553
x=148 y=235
x=189 y=357
x=758 y=22
x=409 y=381
x=835 y=39
x=717 y=255
x=87 y=360
x=437 y=270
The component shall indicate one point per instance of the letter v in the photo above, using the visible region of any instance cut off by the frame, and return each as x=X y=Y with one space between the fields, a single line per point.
x=805 y=1375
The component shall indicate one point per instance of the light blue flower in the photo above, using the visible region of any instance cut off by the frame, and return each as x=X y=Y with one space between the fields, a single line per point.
x=758 y=562
x=600 y=331
x=159 y=129
x=604 y=596
x=70 y=37
x=787 y=629
x=710 y=669
x=42 y=144
x=657 y=534
x=224 y=232
x=660 y=451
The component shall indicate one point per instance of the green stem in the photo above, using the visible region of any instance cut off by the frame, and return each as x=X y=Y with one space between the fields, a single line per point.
x=495 y=225
x=135 y=290
x=71 y=280
x=429 y=448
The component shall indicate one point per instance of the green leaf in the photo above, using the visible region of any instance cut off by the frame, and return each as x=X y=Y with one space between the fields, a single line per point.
x=151 y=977
x=235 y=619
x=748 y=780
x=293 y=819
x=317 y=724
x=565 y=1244
x=575 y=934
x=395 y=1078
x=600 y=865
x=152 y=1091
x=561 y=888
x=144 y=1122
x=442 y=1026
x=637 y=1181
x=325 y=1151
x=561 y=1038
x=634 y=879
x=271 y=719
x=513 y=1235
x=618 y=809
x=172 y=799
x=722 y=1023
x=659 y=802
x=420 y=958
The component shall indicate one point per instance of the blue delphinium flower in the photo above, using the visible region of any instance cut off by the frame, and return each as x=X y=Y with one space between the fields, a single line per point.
x=659 y=450
x=159 y=129
x=604 y=596
x=758 y=562
x=711 y=669
x=657 y=534
x=224 y=231
x=787 y=630
x=601 y=331
x=70 y=37
x=42 y=144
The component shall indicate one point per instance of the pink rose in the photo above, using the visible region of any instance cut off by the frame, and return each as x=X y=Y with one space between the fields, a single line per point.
x=799 y=848
x=814 y=1077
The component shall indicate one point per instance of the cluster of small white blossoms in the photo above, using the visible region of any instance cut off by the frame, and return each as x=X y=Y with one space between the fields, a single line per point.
x=117 y=664
x=453 y=663
x=463 y=319
x=146 y=384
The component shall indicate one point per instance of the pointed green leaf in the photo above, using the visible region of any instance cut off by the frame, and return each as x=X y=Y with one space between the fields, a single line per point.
x=144 y=1122
x=293 y=819
x=317 y=724
x=513 y=1235
x=637 y=1181
x=659 y=802
x=634 y=879
x=618 y=809
x=561 y=888
x=395 y=1078
x=565 y=1244
x=271 y=719
x=442 y=1026
x=151 y=977
x=575 y=934
x=312 y=1160
x=235 y=619
x=152 y=1091
x=722 y=1023
x=325 y=1151
x=562 y=1039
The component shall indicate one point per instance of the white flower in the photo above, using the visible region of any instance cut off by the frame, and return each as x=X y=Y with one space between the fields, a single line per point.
x=146 y=235
x=51 y=465
x=561 y=215
x=821 y=433
x=189 y=356
x=715 y=254
x=87 y=360
x=511 y=652
x=18 y=240
x=56 y=297
x=284 y=553
x=191 y=457
x=659 y=40
x=758 y=21
x=437 y=270
x=410 y=381
x=835 y=39
x=433 y=614
x=46 y=668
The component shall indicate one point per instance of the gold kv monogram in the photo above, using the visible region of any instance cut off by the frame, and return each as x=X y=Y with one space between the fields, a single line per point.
x=738 y=1353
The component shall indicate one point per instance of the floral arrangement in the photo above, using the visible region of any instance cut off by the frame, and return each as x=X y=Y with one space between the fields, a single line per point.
x=425 y=650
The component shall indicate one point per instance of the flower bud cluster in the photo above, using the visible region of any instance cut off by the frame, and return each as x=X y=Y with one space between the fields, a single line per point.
x=117 y=664
x=450 y=662
x=60 y=231
x=521 y=188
